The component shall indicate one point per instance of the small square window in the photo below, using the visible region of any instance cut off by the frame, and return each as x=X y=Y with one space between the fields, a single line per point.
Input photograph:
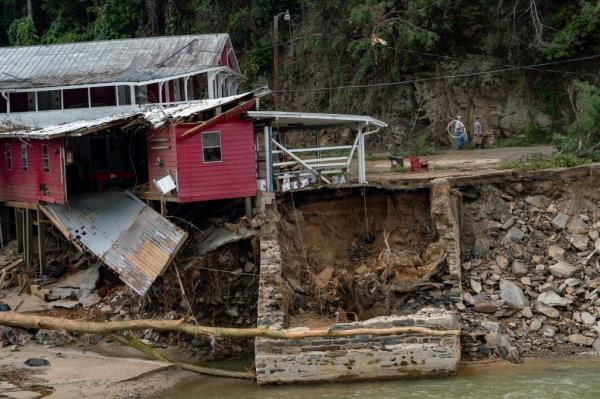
x=24 y=158
x=8 y=155
x=211 y=147
x=46 y=157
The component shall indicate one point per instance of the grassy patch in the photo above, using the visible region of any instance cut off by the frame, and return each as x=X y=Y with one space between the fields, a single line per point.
x=555 y=161
x=400 y=169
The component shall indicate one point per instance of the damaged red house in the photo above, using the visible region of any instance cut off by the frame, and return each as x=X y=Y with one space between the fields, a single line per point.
x=92 y=133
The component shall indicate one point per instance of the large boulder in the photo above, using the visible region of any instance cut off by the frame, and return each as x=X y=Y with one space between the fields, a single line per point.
x=512 y=295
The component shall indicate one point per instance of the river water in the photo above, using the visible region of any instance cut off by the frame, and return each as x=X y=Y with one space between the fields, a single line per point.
x=576 y=377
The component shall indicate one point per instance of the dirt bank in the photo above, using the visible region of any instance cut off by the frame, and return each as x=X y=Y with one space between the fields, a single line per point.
x=76 y=373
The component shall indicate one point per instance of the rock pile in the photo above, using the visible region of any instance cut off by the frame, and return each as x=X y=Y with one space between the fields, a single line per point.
x=532 y=273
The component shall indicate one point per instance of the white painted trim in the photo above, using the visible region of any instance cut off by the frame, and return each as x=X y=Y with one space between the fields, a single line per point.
x=220 y=146
x=127 y=83
x=294 y=157
x=337 y=147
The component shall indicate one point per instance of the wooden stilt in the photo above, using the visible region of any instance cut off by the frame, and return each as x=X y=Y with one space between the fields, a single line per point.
x=41 y=242
x=19 y=228
x=28 y=234
x=248 y=203
x=163 y=208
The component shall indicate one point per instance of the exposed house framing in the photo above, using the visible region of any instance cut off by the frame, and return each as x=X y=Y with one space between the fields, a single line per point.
x=315 y=164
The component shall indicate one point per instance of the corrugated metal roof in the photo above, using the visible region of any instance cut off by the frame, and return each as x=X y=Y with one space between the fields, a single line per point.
x=151 y=113
x=109 y=61
x=130 y=237
x=298 y=120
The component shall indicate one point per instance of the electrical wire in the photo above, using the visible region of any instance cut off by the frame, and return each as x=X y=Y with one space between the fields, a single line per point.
x=433 y=78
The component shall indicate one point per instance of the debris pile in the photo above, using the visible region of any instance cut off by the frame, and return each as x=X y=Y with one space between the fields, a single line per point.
x=531 y=274
x=341 y=268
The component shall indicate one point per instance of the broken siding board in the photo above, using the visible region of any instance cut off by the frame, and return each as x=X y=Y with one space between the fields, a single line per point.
x=130 y=237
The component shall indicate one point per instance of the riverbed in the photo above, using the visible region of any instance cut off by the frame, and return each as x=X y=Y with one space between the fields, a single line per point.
x=573 y=377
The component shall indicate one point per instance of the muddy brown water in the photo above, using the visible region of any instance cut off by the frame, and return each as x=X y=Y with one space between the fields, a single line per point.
x=574 y=377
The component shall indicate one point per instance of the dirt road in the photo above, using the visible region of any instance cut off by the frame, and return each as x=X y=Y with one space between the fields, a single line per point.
x=455 y=163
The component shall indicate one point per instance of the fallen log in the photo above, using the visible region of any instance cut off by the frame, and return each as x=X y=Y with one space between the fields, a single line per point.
x=14 y=319
x=156 y=355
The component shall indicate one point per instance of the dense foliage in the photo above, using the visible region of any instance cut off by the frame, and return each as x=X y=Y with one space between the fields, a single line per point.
x=374 y=40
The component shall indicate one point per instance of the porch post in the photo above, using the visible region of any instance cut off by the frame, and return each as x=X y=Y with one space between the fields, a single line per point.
x=361 y=156
x=268 y=158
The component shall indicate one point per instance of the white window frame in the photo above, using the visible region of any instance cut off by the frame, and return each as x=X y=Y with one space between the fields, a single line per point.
x=46 y=157
x=220 y=146
x=8 y=156
x=24 y=156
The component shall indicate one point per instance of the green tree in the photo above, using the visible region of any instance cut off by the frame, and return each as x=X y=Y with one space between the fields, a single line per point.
x=22 y=32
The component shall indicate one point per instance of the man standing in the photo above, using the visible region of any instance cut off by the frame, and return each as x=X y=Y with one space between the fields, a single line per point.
x=461 y=134
x=478 y=134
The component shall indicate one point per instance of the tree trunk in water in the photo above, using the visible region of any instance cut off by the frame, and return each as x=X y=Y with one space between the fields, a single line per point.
x=21 y=320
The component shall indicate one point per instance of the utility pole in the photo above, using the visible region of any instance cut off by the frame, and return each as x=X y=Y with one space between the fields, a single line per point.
x=276 y=90
x=30 y=9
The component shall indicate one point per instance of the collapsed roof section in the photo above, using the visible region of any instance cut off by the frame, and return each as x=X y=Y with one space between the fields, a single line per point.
x=125 y=61
x=154 y=115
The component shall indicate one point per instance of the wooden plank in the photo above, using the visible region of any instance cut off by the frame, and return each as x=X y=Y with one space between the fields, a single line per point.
x=19 y=228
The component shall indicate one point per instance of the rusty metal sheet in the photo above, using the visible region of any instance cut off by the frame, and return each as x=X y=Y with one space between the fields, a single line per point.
x=130 y=237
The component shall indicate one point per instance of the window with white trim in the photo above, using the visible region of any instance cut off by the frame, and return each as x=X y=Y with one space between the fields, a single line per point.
x=45 y=157
x=8 y=156
x=211 y=147
x=24 y=158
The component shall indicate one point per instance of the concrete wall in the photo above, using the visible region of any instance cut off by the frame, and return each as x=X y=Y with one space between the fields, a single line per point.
x=363 y=357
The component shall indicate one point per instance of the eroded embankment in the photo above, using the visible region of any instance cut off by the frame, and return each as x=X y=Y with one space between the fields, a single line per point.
x=351 y=257
x=528 y=267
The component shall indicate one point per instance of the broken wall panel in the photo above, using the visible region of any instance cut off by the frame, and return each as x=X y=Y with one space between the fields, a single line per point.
x=130 y=237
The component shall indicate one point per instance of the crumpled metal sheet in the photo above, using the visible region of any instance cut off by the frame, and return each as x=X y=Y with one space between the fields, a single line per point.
x=130 y=237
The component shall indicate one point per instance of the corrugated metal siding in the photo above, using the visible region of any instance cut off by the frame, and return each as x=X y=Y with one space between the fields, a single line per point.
x=126 y=60
x=167 y=155
x=24 y=185
x=234 y=177
x=130 y=237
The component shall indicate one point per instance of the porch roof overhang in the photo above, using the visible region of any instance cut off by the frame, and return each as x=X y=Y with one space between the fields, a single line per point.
x=154 y=115
x=304 y=120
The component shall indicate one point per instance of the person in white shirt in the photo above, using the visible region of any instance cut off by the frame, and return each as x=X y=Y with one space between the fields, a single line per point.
x=461 y=134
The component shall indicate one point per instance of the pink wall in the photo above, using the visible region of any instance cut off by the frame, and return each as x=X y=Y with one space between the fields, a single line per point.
x=161 y=146
x=233 y=177
x=23 y=185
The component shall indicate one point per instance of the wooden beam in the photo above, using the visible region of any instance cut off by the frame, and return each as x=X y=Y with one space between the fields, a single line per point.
x=19 y=228
x=19 y=204
x=41 y=227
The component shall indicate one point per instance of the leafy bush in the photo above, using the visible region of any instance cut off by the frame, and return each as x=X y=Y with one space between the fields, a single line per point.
x=583 y=135
x=532 y=135
x=22 y=32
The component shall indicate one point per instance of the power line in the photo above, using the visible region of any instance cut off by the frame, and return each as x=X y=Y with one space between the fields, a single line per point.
x=461 y=75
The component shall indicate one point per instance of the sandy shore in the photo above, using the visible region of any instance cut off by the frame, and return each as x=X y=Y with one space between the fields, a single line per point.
x=74 y=373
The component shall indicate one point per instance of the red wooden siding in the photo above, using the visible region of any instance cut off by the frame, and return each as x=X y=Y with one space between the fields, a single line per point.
x=23 y=185
x=233 y=177
x=161 y=146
